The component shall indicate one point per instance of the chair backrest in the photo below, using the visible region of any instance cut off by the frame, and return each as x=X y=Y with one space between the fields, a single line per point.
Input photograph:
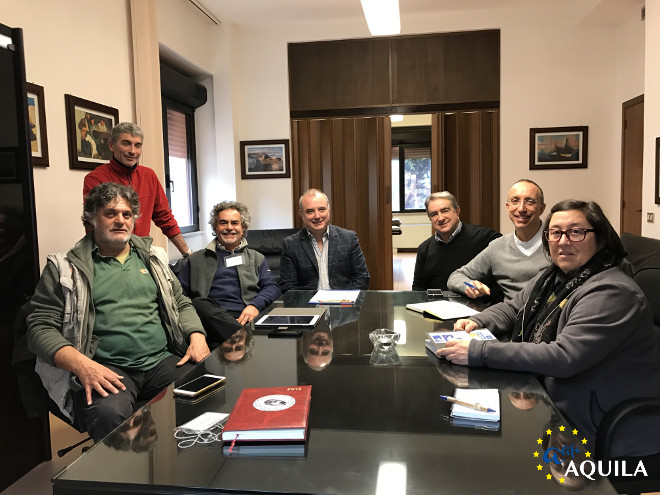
x=648 y=280
x=643 y=252
x=269 y=243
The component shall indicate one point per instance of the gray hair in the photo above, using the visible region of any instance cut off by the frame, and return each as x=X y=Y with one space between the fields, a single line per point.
x=310 y=192
x=441 y=195
x=128 y=128
x=230 y=205
x=106 y=192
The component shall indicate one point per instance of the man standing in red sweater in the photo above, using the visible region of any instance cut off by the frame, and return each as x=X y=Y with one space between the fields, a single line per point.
x=125 y=142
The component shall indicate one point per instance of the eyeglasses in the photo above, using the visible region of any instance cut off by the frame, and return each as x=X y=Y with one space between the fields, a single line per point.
x=516 y=201
x=573 y=235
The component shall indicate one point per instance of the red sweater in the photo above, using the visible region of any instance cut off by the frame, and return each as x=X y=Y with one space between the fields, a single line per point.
x=153 y=201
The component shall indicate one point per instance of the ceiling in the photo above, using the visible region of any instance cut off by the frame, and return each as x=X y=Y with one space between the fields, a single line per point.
x=264 y=11
x=253 y=11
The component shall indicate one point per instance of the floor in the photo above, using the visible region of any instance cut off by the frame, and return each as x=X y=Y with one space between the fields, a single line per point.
x=37 y=481
x=404 y=269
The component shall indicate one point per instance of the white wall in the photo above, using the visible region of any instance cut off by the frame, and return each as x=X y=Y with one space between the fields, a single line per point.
x=651 y=117
x=77 y=48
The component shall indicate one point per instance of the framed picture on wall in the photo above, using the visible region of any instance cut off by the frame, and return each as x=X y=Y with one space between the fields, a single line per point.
x=37 y=122
x=265 y=159
x=88 y=126
x=558 y=147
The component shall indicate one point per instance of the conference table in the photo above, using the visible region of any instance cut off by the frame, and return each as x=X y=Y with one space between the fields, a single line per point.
x=376 y=424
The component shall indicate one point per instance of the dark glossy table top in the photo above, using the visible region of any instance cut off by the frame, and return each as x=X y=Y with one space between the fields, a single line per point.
x=373 y=428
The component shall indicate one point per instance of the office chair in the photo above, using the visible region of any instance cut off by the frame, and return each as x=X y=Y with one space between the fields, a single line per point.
x=269 y=243
x=605 y=436
x=648 y=280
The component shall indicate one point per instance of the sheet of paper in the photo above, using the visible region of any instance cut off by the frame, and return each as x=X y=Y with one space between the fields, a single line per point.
x=335 y=297
x=445 y=310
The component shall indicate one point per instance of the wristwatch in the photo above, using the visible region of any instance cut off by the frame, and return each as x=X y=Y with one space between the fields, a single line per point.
x=187 y=253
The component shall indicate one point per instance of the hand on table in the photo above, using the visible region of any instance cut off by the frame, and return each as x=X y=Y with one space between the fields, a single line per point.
x=197 y=349
x=466 y=325
x=249 y=313
x=455 y=351
x=477 y=290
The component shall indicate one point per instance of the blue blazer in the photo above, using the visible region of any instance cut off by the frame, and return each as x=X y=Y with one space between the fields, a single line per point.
x=347 y=268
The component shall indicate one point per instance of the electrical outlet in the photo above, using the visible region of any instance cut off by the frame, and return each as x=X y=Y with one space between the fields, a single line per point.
x=650 y=217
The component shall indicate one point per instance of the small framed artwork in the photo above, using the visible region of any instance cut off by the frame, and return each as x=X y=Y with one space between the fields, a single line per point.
x=37 y=123
x=558 y=147
x=88 y=126
x=657 y=171
x=265 y=159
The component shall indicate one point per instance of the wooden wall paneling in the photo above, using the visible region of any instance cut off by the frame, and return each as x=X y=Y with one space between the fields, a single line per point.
x=338 y=174
x=380 y=204
x=350 y=159
x=472 y=157
x=372 y=75
x=490 y=178
x=437 y=155
x=316 y=142
x=461 y=67
x=339 y=74
x=466 y=162
x=327 y=181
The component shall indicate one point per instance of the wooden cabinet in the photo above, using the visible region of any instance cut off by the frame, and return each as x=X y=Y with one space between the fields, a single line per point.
x=396 y=74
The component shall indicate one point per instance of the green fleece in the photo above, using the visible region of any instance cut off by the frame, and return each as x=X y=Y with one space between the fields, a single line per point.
x=48 y=314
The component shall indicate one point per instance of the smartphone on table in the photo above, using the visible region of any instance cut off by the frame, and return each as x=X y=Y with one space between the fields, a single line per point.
x=199 y=385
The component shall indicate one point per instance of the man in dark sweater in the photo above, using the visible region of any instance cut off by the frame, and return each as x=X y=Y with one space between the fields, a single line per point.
x=453 y=245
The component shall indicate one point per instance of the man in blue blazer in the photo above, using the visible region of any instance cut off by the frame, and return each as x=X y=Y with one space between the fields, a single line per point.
x=321 y=255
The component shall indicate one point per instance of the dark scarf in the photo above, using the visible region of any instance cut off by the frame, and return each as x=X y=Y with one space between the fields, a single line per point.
x=539 y=318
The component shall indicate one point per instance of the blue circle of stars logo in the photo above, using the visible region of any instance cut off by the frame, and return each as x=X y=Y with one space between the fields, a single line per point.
x=556 y=449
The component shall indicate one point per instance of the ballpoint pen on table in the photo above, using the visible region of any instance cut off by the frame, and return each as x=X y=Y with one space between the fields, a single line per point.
x=477 y=407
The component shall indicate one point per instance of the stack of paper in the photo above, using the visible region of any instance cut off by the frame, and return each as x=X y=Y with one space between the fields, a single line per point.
x=335 y=297
x=437 y=340
x=444 y=310
x=486 y=397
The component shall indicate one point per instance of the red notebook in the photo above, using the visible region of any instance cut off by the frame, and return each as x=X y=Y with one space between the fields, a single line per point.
x=269 y=414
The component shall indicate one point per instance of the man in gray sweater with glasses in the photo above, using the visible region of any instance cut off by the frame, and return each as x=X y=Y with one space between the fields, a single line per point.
x=509 y=262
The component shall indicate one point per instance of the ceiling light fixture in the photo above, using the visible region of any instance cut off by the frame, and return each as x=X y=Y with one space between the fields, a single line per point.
x=382 y=16
x=396 y=117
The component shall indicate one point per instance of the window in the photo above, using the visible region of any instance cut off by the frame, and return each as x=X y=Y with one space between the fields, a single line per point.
x=180 y=164
x=411 y=168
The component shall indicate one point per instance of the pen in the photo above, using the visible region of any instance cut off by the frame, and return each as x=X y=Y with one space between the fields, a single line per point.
x=470 y=285
x=477 y=407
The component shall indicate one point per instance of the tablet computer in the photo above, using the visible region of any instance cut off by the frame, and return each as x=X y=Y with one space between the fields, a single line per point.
x=291 y=317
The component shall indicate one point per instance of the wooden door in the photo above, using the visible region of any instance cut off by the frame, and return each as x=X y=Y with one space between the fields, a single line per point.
x=465 y=162
x=349 y=160
x=632 y=164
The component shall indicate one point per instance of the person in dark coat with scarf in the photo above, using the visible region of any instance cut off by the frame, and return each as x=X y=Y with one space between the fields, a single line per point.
x=582 y=324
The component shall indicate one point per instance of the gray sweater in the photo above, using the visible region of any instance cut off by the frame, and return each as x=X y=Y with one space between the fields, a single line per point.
x=503 y=262
x=604 y=353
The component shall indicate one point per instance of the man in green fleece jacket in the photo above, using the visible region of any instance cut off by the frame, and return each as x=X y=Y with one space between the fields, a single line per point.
x=109 y=323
